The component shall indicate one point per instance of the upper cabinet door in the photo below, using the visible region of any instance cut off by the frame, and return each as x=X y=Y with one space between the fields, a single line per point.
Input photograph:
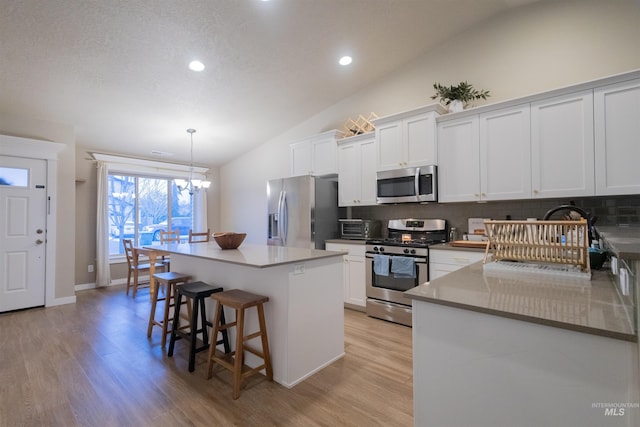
x=325 y=156
x=617 y=129
x=357 y=171
x=391 y=151
x=301 y=158
x=407 y=139
x=316 y=155
x=562 y=158
x=505 y=145
x=459 y=160
x=348 y=174
x=368 y=183
x=420 y=140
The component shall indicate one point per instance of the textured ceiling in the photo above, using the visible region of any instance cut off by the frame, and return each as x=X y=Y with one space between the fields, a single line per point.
x=117 y=69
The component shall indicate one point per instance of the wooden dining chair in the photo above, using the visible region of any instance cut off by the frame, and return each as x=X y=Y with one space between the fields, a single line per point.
x=199 y=237
x=169 y=237
x=135 y=267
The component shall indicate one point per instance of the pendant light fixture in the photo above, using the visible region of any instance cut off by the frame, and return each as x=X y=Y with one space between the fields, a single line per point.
x=192 y=185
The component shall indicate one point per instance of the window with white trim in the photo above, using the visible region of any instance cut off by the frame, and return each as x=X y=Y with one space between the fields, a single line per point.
x=138 y=198
x=139 y=207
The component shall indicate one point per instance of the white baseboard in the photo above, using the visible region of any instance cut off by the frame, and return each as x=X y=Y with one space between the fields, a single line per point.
x=84 y=286
x=62 y=301
x=115 y=282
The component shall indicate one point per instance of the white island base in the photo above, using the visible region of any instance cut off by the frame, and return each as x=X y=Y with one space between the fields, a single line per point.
x=477 y=369
x=305 y=312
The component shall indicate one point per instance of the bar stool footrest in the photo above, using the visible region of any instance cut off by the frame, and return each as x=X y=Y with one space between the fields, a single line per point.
x=254 y=351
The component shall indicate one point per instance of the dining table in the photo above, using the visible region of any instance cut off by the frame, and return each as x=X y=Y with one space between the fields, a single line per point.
x=153 y=254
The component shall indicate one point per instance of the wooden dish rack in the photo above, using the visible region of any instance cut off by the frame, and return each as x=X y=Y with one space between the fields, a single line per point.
x=556 y=242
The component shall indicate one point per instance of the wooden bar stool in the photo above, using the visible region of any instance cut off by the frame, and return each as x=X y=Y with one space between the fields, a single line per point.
x=240 y=300
x=197 y=291
x=169 y=280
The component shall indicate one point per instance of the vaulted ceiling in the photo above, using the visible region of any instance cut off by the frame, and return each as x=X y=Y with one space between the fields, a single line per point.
x=117 y=69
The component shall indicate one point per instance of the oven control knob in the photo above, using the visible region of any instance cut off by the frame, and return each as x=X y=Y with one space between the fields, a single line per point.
x=413 y=251
x=406 y=251
x=375 y=249
x=381 y=249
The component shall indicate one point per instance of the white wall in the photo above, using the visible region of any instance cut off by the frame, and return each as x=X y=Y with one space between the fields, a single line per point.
x=542 y=46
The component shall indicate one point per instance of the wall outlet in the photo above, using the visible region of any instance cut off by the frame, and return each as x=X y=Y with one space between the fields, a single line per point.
x=90 y=268
x=298 y=269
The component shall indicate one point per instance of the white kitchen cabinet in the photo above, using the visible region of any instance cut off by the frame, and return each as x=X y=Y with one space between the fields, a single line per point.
x=357 y=170
x=407 y=139
x=485 y=157
x=617 y=128
x=355 y=295
x=505 y=153
x=562 y=150
x=316 y=155
x=444 y=261
x=539 y=150
x=459 y=160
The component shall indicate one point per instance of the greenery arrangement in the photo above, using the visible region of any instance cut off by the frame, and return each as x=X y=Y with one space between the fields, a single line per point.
x=463 y=92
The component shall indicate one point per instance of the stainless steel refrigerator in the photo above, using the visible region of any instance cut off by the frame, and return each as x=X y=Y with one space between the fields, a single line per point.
x=303 y=211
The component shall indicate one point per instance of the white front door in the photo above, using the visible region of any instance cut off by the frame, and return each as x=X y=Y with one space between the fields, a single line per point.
x=23 y=210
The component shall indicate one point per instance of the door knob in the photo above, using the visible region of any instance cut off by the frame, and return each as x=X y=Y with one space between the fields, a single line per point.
x=39 y=242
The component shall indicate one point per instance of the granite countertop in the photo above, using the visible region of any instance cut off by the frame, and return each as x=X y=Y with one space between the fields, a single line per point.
x=585 y=306
x=624 y=242
x=593 y=306
x=346 y=241
x=447 y=247
x=251 y=255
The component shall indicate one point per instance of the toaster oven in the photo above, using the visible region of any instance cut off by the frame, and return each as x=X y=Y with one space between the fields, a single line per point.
x=359 y=229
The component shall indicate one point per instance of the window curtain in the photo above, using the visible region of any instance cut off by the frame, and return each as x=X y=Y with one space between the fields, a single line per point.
x=103 y=270
x=200 y=210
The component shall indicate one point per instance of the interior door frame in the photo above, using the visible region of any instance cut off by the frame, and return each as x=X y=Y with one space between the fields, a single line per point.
x=43 y=150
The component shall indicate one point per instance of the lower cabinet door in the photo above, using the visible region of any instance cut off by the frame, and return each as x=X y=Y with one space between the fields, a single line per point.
x=355 y=293
x=355 y=290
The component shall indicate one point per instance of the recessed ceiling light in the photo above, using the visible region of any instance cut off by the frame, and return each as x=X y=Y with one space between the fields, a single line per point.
x=196 y=66
x=345 y=60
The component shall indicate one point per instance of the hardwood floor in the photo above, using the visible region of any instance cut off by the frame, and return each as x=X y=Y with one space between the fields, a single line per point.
x=91 y=364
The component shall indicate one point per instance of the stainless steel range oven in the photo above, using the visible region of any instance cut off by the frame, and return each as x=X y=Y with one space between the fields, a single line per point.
x=399 y=263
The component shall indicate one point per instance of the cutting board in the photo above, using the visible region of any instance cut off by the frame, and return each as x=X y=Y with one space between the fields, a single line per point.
x=469 y=244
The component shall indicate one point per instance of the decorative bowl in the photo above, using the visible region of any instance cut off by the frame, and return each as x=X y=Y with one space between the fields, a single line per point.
x=229 y=240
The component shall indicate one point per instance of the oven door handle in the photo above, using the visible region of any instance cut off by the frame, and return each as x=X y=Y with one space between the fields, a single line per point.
x=418 y=260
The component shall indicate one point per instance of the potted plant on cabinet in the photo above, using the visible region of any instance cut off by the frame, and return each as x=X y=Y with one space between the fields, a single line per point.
x=459 y=96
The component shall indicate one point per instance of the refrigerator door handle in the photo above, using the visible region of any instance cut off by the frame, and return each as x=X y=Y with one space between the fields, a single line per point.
x=284 y=219
x=280 y=218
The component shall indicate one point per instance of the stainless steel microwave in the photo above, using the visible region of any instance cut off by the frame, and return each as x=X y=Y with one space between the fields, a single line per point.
x=418 y=184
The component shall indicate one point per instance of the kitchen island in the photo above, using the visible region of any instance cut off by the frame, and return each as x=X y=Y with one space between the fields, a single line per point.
x=304 y=315
x=493 y=350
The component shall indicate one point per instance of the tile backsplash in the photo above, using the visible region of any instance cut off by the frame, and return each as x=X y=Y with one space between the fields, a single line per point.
x=610 y=211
